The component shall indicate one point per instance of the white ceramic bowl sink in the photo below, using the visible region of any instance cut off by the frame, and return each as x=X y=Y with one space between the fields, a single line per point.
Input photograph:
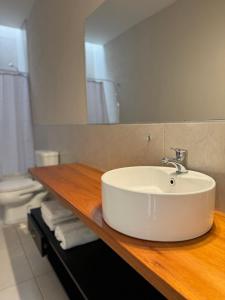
x=154 y=203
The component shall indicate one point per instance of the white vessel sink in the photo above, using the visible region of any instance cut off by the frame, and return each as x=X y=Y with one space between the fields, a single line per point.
x=155 y=203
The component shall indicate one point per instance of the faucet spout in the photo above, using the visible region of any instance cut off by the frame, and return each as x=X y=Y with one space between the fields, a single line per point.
x=180 y=169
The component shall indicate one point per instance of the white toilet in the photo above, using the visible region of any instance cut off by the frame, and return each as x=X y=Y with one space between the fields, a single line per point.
x=18 y=194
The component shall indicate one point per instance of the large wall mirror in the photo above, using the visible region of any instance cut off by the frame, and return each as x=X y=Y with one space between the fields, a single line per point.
x=156 y=61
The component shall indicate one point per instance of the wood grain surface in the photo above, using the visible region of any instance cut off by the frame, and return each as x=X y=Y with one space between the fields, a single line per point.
x=193 y=269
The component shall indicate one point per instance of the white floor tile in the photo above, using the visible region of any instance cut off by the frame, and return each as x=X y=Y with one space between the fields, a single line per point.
x=51 y=287
x=14 y=267
x=23 y=232
x=25 y=291
x=20 y=262
x=39 y=265
x=9 y=238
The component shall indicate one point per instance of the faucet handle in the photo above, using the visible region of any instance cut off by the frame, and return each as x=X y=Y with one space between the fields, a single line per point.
x=180 y=154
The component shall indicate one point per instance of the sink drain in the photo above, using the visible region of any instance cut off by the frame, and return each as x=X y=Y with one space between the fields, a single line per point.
x=172 y=181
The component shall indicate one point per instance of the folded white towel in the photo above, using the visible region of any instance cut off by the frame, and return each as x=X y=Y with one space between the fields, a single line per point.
x=54 y=210
x=66 y=228
x=74 y=233
x=52 y=224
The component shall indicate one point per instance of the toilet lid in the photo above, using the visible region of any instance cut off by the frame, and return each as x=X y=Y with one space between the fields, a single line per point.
x=15 y=185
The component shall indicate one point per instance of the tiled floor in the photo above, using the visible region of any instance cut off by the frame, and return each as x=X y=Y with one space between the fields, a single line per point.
x=24 y=274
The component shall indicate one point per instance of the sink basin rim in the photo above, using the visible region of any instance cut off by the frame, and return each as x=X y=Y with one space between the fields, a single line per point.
x=105 y=180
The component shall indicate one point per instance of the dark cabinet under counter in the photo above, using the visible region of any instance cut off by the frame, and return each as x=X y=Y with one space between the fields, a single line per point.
x=91 y=271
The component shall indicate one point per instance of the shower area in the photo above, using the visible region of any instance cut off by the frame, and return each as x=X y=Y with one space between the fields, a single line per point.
x=16 y=141
x=102 y=89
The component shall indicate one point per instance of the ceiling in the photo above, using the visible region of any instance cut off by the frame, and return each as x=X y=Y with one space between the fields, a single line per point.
x=116 y=16
x=14 y=12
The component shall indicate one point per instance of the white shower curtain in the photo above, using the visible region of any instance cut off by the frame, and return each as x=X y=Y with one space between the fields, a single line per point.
x=110 y=96
x=16 y=141
x=102 y=102
x=97 y=109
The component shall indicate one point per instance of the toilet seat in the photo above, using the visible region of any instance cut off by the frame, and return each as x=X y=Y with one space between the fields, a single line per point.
x=17 y=195
x=14 y=185
x=18 y=190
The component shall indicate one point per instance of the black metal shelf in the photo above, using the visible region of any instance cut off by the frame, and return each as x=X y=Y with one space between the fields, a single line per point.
x=91 y=271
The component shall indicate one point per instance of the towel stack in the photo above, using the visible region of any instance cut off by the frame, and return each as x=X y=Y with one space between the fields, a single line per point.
x=53 y=213
x=74 y=233
x=69 y=230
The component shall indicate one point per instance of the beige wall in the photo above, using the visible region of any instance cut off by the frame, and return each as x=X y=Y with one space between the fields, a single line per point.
x=171 y=66
x=104 y=147
x=56 y=57
x=110 y=146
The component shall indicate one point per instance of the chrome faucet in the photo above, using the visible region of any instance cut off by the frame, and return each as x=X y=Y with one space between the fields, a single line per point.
x=178 y=161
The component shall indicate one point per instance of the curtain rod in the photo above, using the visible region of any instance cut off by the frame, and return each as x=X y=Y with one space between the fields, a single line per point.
x=13 y=73
x=98 y=80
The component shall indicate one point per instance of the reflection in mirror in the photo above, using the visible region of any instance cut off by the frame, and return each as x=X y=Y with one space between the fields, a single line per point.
x=102 y=92
x=156 y=61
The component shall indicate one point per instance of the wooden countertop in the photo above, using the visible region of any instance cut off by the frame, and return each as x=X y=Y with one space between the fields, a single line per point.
x=186 y=270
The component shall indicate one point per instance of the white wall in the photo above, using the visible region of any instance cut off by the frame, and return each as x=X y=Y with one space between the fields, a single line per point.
x=12 y=48
x=95 y=61
x=171 y=66
x=56 y=56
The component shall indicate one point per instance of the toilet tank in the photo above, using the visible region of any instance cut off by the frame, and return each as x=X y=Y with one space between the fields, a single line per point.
x=46 y=158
